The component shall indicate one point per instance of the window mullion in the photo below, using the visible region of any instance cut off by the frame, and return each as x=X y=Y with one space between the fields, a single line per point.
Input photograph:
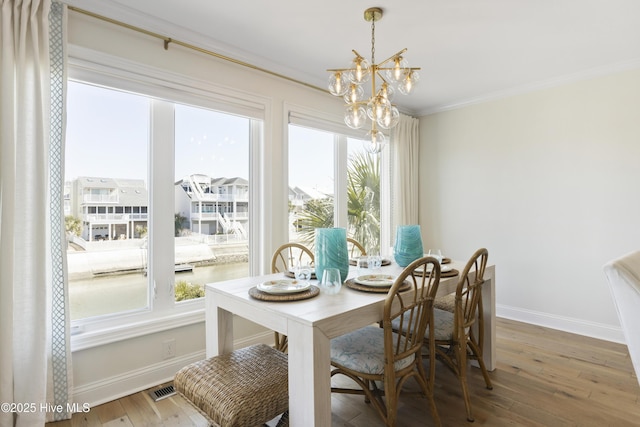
x=161 y=201
x=258 y=217
x=340 y=189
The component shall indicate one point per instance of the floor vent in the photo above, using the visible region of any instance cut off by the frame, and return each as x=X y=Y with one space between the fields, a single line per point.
x=162 y=393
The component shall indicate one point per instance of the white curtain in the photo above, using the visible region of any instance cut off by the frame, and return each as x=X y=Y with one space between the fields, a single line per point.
x=34 y=354
x=405 y=150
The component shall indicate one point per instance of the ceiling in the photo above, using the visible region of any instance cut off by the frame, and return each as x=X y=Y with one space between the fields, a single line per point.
x=468 y=50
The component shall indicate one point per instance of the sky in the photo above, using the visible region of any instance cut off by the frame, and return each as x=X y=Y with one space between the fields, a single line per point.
x=107 y=136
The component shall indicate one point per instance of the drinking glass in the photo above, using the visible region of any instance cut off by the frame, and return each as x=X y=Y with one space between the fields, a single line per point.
x=331 y=282
x=436 y=253
x=362 y=265
x=302 y=272
x=375 y=262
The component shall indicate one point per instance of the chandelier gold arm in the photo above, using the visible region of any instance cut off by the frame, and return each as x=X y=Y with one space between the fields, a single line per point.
x=357 y=54
x=333 y=70
x=394 y=56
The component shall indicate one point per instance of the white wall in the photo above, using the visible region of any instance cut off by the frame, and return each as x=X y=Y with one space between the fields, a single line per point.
x=547 y=176
x=105 y=372
x=549 y=183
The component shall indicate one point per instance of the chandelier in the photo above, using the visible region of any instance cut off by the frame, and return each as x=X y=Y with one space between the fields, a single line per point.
x=392 y=72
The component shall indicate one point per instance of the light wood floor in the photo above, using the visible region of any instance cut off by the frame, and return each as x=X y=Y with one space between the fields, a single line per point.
x=543 y=378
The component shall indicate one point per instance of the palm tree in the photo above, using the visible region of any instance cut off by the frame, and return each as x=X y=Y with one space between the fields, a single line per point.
x=317 y=213
x=363 y=193
x=363 y=205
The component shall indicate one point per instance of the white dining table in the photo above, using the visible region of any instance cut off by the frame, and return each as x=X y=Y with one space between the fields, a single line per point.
x=310 y=324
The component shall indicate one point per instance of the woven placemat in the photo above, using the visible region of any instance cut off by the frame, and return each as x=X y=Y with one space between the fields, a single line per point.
x=451 y=273
x=351 y=283
x=292 y=275
x=264 y=296
x=445 y=260
x=385 y=261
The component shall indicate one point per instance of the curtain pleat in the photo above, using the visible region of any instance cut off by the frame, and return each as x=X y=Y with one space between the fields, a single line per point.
x=404 y=171
x=31 y=223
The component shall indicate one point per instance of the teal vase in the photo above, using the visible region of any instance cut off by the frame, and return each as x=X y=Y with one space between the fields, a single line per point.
x=408 y=247
x=331 y=251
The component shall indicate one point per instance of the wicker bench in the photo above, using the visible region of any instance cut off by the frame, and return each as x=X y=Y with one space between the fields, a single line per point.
x=247 y=387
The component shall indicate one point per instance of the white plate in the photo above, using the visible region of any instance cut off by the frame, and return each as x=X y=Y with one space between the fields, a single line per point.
x=283 y=286
x=443 y=268
x=375 y=280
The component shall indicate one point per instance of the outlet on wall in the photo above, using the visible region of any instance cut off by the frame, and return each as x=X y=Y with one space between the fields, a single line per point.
x=168 y=349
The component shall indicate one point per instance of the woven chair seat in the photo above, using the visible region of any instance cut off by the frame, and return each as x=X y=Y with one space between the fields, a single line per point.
x=244 y=388
x=445 y=302
x=363 y=350
x=442 y=323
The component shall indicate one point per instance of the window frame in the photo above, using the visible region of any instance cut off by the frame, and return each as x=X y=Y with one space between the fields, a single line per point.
x=165 y=88
x=322 y=121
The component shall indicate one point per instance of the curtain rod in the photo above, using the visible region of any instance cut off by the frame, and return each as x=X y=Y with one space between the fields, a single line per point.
x=168 y=40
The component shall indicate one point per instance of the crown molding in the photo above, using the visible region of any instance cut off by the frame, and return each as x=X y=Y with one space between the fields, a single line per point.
x=536 y=86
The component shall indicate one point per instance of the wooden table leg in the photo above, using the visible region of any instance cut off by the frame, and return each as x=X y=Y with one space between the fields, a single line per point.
x=309 y=377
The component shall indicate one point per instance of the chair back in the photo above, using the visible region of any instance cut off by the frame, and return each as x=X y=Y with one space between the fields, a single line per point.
x=410 y=310
x=623 y=275
x=468 y=300
x=288 y=255
x=355 y=248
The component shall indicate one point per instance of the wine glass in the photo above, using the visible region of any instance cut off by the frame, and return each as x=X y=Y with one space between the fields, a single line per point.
x=436 y=253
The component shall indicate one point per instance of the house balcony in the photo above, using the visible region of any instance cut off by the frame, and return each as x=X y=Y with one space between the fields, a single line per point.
x=100 y=198
x=115 y=218
x=213 y=197
x=237 y=216
x=205 y=216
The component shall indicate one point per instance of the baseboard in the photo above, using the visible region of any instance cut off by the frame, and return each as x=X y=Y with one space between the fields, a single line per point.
x=115 y=387
x=567 y=324
x=118 y=386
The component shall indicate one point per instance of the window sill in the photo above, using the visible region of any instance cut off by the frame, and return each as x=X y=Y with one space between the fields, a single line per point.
x=90 y=339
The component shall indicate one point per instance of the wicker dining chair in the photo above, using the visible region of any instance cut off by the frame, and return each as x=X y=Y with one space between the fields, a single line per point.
x=378 y=355
x=285 y=258
x=355 y=248
x=247 y=387
x=455 y=333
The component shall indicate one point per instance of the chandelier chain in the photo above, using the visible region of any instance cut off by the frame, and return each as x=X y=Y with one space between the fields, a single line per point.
x=373 y=41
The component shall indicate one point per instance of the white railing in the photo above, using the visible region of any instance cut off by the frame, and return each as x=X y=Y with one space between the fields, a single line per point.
x=115 y=217
x=217 y=239
x=237 y=215
x=217 y=197
x=205 y=215
x=100 y=198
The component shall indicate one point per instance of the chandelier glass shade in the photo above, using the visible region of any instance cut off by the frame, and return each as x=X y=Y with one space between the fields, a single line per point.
x=385 y=78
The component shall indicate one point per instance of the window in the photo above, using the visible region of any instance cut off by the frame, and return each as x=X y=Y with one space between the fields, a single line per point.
x=363 y=196
x=312 y=190
x=141 y=179
x=212 y=198
x=106 y=151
